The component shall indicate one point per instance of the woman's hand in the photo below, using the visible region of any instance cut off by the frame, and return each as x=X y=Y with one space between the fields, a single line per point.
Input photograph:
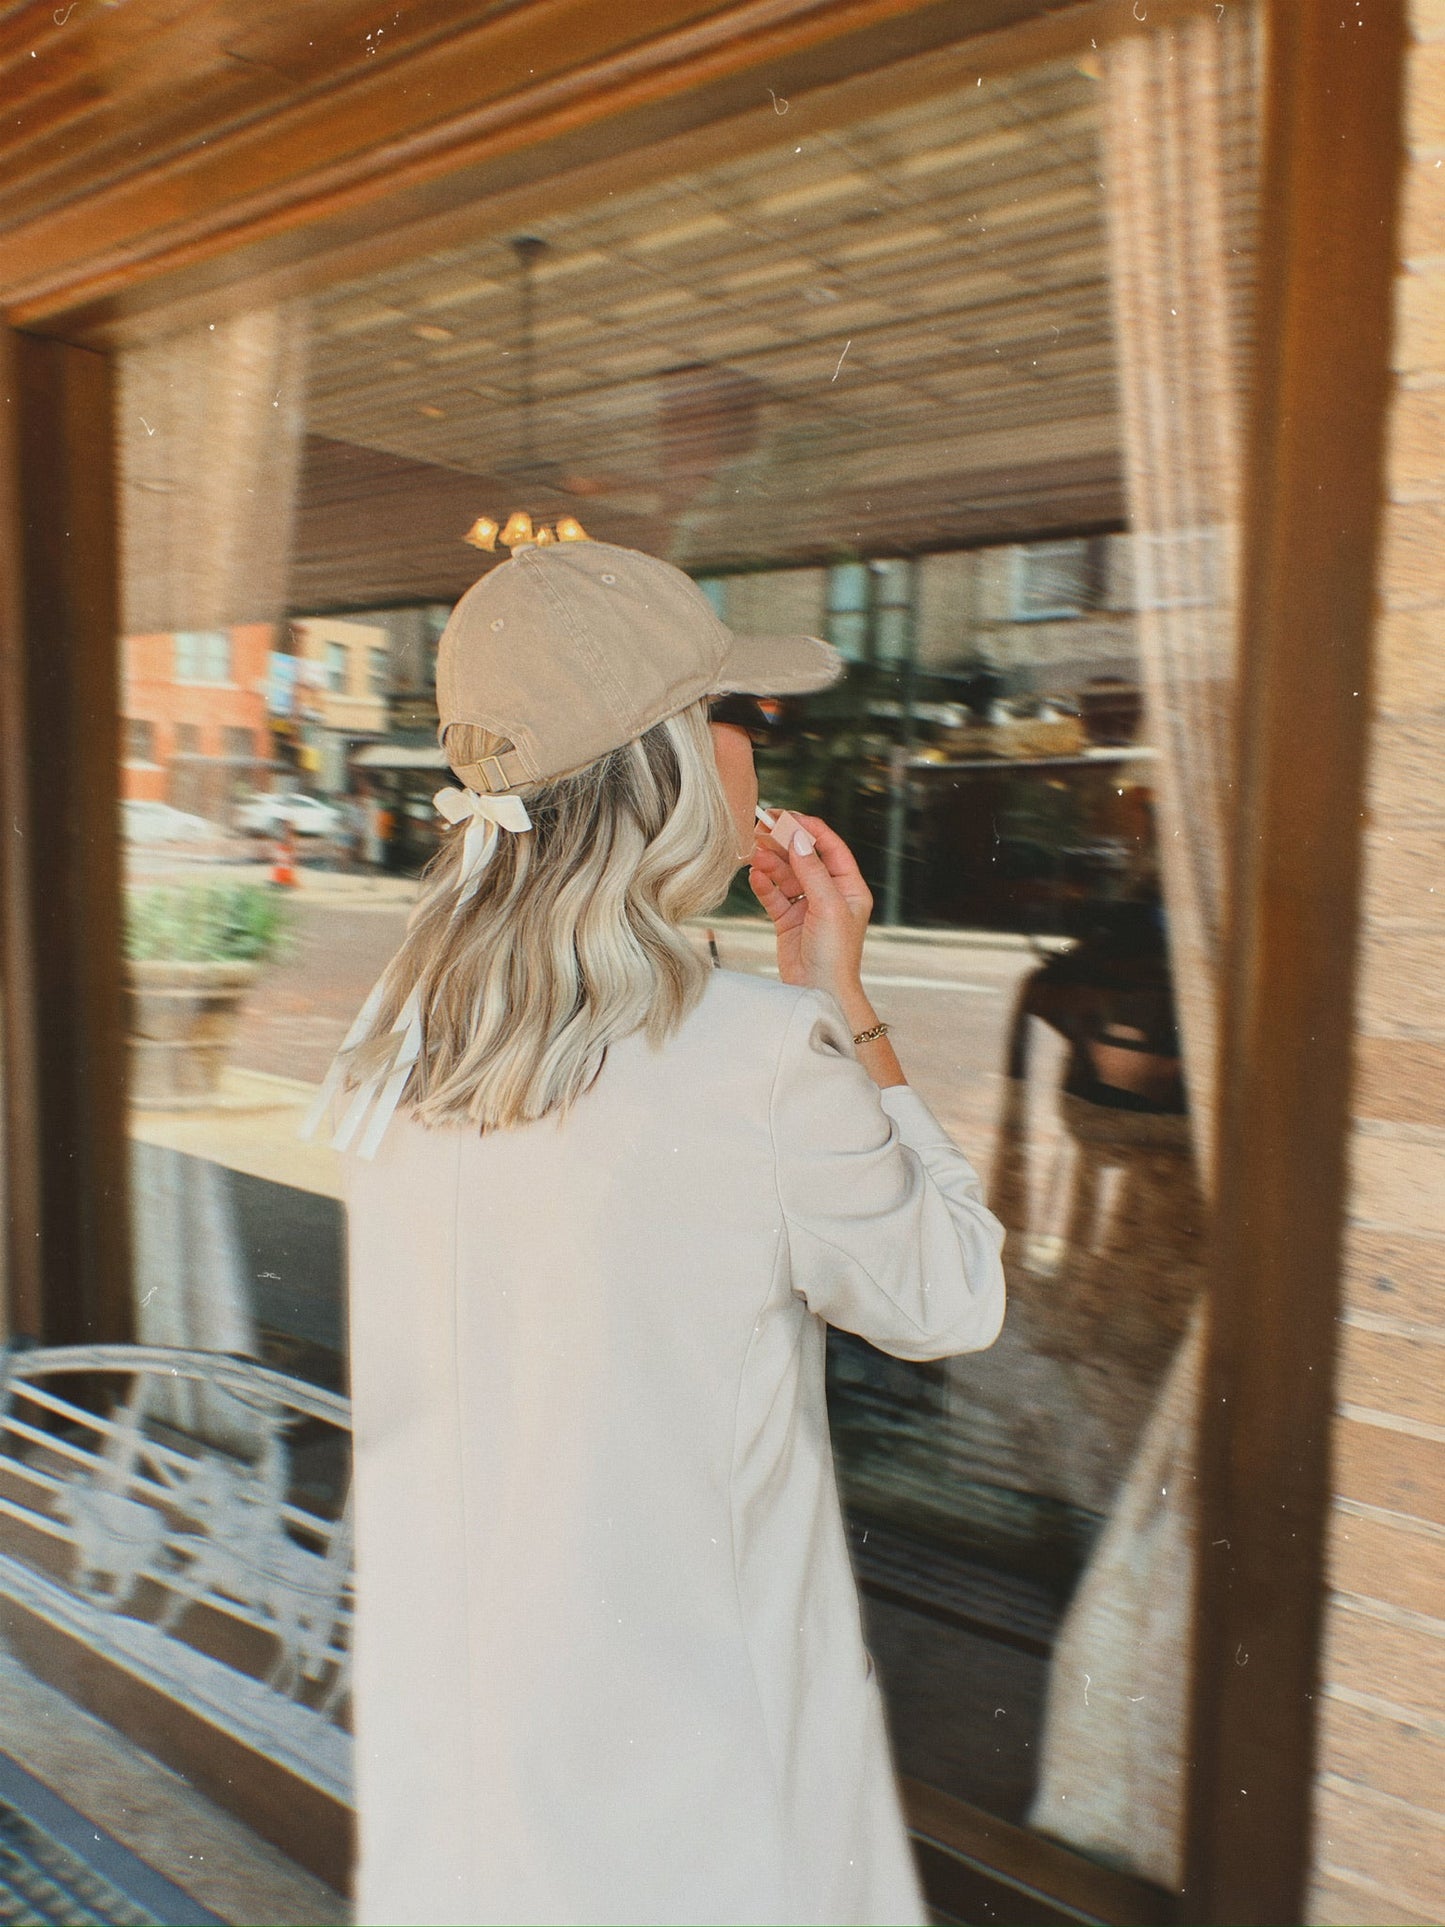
x=820 y=908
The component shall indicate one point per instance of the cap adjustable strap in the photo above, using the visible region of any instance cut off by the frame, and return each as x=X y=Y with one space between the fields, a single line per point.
x=504 y=771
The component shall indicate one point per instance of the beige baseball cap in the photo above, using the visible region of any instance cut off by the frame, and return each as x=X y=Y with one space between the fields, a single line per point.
x=571 y=649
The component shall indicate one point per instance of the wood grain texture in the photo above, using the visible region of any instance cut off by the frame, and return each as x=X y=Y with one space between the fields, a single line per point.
x=309 y=1826
x=371 y=125
x=69 y=1227
x=978 y=1867
x=277 y=161
x=1333 y=144
x=19 y=962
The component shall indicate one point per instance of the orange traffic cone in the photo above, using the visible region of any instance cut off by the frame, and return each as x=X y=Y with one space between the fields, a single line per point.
x=283 y=866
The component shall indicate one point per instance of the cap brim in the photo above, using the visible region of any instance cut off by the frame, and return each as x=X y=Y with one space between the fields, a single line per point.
x=777 y=666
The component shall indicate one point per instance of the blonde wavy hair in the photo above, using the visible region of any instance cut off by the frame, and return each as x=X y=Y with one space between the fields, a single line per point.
x=571 y=942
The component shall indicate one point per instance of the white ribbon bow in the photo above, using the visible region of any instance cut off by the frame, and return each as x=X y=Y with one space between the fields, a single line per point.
x=484 y=817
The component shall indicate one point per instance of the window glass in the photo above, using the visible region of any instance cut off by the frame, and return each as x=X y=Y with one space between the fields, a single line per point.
x=909 y=446
x=1054 y=579
x=933 y=503
x=848 y=608
x=893 y=587
x=203 y=656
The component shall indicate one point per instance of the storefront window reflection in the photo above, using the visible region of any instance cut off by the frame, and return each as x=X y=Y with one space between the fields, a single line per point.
x=863 y=382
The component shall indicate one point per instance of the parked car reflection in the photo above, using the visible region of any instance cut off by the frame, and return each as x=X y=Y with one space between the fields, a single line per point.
x=145 y=821
x=269 y=815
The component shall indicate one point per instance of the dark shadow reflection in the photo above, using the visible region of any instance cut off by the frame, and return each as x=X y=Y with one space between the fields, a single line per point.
x=977 y=1487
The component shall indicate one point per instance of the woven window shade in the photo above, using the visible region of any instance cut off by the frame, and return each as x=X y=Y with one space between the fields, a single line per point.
x=1180 y=133
x=1181 y=115
x=210 y=441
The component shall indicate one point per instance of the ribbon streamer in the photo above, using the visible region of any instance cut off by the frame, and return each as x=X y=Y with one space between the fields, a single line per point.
x=360 y=1025
x=485 y=818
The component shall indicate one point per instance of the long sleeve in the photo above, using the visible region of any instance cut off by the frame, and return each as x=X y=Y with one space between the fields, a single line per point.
x=888 y=1233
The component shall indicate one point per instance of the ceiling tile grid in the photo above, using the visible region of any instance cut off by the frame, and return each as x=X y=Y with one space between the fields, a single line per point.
x=855 y=340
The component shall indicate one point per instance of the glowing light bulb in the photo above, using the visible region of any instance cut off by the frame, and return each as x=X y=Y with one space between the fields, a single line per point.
x=482 y=534
x=518 y=531
x=569 y=529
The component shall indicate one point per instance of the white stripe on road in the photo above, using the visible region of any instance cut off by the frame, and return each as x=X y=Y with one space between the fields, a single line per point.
x=916 y=983
x=932 y=983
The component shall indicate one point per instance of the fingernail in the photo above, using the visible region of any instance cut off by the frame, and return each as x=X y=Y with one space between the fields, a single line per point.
x=803 y=843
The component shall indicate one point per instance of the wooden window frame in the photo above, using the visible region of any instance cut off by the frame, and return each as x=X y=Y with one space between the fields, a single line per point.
x=111 y=274
x=1314 y=489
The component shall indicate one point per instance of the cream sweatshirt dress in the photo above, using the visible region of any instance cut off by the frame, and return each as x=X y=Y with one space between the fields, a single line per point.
x=609 y=1663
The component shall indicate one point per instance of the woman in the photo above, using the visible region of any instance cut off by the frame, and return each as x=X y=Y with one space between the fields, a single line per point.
x=609 y=1664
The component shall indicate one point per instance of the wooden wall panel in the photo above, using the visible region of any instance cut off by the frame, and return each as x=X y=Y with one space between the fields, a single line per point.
x=335 y=173
x=1312 y=540
x=371 y=127
x=67 y=1223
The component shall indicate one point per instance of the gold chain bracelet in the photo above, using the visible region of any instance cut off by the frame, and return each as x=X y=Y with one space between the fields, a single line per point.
x=867 y=1036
